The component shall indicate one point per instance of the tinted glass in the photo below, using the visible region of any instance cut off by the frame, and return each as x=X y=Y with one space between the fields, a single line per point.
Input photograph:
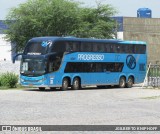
x=37 y=48
x=140 y=49
x=54 y=62
x=65 y=46
x=86 y=46
x=40 y=48
x=85 y=67
x=33 y=67
x=59 y=46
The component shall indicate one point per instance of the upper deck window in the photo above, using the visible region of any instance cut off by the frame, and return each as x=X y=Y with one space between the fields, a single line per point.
x=37 y=48
x=65 y=46
x=60 y=46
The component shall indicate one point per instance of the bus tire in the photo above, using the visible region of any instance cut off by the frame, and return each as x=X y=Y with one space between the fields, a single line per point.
x=65 y=84
x=122 y=82
x=130 y=82
x=41 y=88
x=76 y=84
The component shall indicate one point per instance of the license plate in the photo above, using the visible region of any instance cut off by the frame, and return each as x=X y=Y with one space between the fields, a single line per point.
x=30 y=85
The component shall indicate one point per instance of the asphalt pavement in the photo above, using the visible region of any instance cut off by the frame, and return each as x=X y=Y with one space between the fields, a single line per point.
x=88 y=106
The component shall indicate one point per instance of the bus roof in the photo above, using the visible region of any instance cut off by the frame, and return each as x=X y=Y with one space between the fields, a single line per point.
x=70 y=38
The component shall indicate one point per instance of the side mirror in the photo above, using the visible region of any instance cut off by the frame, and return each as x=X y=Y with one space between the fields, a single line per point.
x=14 y=58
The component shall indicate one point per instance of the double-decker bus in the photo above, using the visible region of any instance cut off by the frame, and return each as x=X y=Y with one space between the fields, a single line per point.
x=51 y=62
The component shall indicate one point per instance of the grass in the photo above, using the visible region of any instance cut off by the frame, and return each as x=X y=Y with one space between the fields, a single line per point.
x=18 y=86
x=151 y=97
x=151 y=88
x=7 y=88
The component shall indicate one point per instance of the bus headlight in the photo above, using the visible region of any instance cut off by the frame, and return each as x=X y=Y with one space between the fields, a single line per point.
x=22 y=80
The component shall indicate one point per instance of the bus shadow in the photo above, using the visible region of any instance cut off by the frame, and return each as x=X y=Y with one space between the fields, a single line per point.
x=97 y=88
x=69 y=90
x=46 y=90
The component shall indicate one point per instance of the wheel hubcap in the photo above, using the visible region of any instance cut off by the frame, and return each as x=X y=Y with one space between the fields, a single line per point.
x=122 y=83
x=130 y=82
x=65 y=84
x=76 y=83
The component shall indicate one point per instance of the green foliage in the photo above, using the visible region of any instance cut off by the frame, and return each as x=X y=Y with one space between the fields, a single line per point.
x=8 y=80
x=58 y=18
x=97 y=22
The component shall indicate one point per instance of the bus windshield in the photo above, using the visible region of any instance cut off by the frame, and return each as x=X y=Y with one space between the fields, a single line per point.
x=37 y=48
x=32 y=67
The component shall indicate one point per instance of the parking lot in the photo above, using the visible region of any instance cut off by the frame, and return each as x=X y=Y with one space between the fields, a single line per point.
x=112 y=106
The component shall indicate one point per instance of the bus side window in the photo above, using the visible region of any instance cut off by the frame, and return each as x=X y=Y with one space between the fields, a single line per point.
x=115 y=48
x=130 y=48
x=86 y=67
x=107 y=48
x=123 y=49
x=116 y=67
x=76 y=46
x=94 y=47
x=134 y=49
x=86 y=47
x=70 y=67
x=59 y=46
x=112 y=48
x=108 y=67
x=100 y=47
x=50 y=64
x=127 y=49
x=69 y=46
x=92 y=69
x=142 y=49
x=118 y=48
x=99 y=67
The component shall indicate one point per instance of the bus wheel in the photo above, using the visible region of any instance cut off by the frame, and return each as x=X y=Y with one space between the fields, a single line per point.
x=65 y=84
x=130 y=82
x=76 y=84
x=122 y=82
x=41 y=88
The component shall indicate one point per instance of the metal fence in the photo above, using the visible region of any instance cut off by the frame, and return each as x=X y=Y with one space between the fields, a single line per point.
x=153 y=76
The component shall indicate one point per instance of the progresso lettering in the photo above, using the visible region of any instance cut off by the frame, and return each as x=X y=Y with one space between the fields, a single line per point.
x=90 y=57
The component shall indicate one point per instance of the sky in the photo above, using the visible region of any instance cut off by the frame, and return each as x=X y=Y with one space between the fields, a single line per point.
x=127 y=8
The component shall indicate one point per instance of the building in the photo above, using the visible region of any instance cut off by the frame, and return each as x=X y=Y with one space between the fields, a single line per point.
x=144 y=29
x=5 y=46
x=6 y=55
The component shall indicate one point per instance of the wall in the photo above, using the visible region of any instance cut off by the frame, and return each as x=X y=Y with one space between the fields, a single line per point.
x=145 y=29
x=8 y=66
x=120 y=35
x=5 y=49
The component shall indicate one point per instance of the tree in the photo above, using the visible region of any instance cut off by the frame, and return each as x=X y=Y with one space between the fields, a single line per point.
x=97 y=22
x=58 y=18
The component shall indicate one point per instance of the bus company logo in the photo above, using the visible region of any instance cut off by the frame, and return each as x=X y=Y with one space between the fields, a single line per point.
x=46 y=43
x=131 y=62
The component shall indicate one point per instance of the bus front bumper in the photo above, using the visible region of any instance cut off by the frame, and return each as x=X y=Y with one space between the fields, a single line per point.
x=39 y=81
